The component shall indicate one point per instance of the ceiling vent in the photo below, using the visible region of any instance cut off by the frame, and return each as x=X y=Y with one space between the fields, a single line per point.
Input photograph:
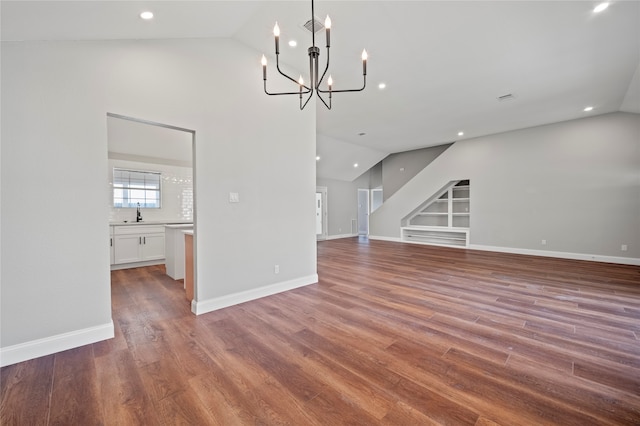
x=507 y=97
x=318 y=25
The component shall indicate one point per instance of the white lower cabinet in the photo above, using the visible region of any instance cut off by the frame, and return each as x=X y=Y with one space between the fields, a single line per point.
x=138 y=243
x=128 y=248
x=153 y=246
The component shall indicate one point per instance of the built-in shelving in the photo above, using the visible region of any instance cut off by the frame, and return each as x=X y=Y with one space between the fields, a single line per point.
x=457 y=237
x=443 y=219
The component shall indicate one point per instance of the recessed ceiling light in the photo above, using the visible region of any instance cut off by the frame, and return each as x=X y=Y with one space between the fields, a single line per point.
x=146 y=15
x=381 y=86
x=355 y=165
x=587 y=109
x=317 y=158
x=293 y=43
x=599 y=8
x=460 y=133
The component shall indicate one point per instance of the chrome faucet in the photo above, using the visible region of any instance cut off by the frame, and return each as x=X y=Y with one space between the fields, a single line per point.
x=138 y=214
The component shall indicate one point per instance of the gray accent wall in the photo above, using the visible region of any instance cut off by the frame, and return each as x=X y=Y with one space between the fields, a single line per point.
x=400 y=168
x=375 y=176
x=575 y=184
x=342 y=204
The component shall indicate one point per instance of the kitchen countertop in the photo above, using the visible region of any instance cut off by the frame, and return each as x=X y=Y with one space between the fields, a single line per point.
x=179 y=226
x=153 y=222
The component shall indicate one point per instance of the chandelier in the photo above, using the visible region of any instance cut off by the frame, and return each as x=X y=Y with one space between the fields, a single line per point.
x=314 y=76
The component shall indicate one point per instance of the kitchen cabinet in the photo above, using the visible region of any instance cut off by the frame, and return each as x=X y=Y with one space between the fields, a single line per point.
x=153 y=246
x=138 y=243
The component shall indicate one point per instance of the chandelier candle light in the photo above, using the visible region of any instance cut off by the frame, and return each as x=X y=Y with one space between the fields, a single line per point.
x=315 y=80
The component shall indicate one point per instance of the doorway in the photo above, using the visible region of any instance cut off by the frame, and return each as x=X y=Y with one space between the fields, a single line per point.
x=322 y=225
x=144 y=147
x=363 y=212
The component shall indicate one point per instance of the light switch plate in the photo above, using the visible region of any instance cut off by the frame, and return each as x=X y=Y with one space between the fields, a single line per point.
x=234 y=197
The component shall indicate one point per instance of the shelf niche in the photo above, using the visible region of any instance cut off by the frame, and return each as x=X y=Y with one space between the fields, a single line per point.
x=443 y=219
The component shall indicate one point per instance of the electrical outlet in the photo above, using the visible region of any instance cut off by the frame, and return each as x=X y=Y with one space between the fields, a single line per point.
x=276 y=269
x=543 y=242
x=623 y=247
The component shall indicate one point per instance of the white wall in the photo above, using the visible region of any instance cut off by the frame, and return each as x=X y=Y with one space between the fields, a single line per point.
x=55 y=97
x=575 y=184
x=176 y=197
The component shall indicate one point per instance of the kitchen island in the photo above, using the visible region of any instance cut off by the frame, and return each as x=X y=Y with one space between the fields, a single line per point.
x=174 y=249
x=188 y=265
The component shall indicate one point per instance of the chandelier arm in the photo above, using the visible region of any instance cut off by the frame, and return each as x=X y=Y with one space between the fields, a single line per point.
x=285 y=93
x=322 y=99
x=285 y=75
x=304 y=92
x=306 y=102
x=364 y=84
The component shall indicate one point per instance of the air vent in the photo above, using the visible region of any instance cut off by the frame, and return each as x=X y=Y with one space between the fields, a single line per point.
x=318 y=25
x=507 y=97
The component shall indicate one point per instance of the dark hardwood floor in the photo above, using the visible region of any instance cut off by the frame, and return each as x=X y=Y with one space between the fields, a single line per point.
x=395 y=334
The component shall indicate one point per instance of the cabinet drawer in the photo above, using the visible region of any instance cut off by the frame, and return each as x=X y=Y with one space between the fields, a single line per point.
x=138 y=229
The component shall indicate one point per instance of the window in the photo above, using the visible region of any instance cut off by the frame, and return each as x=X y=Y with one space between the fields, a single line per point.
x=135 y=188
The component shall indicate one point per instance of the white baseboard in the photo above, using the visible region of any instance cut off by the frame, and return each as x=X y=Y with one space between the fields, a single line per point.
x=393 y=239
x=559 y=254
x=336 y=237
x=532 y=252
x=119 y=266
x=209 y=305
x=60 y=342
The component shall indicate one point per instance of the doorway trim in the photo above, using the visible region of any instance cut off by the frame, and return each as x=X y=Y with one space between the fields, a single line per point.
x=325 y=215
x=363 y=212
x=193 y=166
x=151 y=123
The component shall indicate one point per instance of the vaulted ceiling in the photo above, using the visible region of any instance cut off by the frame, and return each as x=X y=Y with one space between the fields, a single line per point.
x=444 y=63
